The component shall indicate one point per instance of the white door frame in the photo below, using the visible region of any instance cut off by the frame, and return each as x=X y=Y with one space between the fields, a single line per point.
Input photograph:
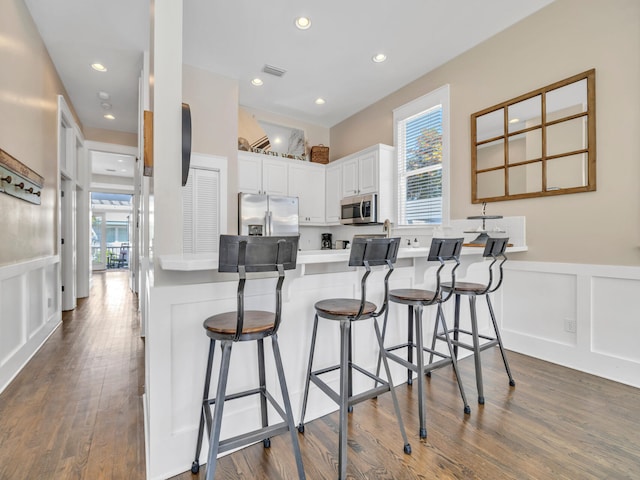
x=134 y=239
x=69 y=143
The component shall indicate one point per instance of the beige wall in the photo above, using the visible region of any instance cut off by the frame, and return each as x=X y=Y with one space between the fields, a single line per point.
x=563 y=39
x=29 y=86
x=313 y=134
x=111 y=136
x=213 y=100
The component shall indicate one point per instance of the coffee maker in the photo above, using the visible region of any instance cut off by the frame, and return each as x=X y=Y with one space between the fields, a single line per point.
x=326 y=242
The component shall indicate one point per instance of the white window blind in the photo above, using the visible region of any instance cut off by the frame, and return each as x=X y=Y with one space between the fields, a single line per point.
x=421 y=133
x=201 y=211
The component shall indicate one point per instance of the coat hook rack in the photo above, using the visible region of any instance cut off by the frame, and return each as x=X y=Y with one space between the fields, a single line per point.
x=18 y=180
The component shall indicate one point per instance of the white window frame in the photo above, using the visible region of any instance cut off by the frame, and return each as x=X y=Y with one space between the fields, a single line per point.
x=437 y=97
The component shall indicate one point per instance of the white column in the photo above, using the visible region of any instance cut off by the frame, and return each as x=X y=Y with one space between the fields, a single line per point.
x=167 y=126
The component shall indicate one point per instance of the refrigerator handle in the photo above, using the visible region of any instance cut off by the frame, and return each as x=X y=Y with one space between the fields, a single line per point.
x=267 y=226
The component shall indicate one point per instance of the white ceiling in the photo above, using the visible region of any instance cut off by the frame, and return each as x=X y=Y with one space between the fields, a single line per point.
x=236 y=38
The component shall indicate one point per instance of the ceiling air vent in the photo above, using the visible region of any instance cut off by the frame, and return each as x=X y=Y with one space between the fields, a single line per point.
x=271 y=70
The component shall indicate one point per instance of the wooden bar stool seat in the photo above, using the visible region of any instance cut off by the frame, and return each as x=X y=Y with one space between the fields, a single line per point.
x=245 y=256
x=344 y=307
x=365 y=252
x=494 y=249
x=447 y=252
x=255 y=322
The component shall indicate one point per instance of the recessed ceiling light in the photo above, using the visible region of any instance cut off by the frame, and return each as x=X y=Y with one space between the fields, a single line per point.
x=514 y=120
x=106 y=105
x=103 y=96
x=379 y=58
x=320 y=101
x=108 y=116
x=256 y=82
x=99 y=67
x=303 y=23
x=123 y=169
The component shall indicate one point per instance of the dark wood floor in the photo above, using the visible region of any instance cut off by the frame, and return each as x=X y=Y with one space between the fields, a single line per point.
x=75 y=412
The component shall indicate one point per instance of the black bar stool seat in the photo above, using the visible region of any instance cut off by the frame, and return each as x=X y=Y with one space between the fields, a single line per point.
x=365 y=252
x=447 y=252
x=248 y=255
x=495 y=250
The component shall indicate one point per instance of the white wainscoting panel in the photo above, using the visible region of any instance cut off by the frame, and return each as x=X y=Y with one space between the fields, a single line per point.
x=29 y=312
x=541 y=300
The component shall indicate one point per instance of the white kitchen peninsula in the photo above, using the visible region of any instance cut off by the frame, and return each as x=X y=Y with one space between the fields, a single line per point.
x=176 y=344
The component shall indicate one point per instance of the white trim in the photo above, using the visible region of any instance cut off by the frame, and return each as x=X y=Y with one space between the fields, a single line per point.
x=538 y=298
x=31 y=312
x=439 y=96
x=111 y=148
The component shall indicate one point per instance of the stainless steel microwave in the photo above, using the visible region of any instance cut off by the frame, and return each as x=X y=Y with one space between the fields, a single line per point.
x=359 y=210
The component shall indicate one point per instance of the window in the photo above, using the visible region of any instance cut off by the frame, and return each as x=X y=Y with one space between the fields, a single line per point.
x=421 y=132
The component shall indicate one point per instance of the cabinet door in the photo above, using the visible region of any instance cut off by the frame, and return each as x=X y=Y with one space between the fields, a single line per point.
x=201 y=211
x=350 y=177
x=333 y=193
x=368 y=173
x=274 y=177
x=249 y=174
x=306 y=182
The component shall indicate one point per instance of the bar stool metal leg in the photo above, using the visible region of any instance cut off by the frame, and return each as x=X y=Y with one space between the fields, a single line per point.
x=287 y=406
x=476 y=348
x=454 y=360
x=345 y=328
x=195 y=466
x=263 y=388
x=421 y=369
x=396 y=405
x=214 y=439
x=411 y=344
x=512 y=382
x=305 y=396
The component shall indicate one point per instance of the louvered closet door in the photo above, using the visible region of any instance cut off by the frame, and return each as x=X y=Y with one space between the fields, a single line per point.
x=201 y=211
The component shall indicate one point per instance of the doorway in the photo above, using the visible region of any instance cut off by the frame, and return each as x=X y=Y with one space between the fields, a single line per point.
x=110 y=231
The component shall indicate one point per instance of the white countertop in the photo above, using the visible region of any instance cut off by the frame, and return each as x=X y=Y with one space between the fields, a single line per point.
x=209 y=261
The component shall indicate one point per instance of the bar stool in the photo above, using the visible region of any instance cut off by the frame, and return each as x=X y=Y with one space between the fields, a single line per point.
x=246 y=255
x=447 y=252
x=494 y=249
x=365 y=252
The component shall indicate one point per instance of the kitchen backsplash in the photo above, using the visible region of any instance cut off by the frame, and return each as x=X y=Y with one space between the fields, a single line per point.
x=512 y=227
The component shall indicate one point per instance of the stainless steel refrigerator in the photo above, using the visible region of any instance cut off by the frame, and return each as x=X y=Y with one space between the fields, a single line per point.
x=267 y=215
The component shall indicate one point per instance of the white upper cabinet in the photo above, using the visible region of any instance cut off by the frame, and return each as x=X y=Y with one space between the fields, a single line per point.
x=262 y=174
x=360 y=173
x=306 y=181
x=333 y=178
x=368 y=171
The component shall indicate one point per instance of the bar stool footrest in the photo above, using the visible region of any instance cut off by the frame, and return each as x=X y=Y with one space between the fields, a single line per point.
x=489 y=343
x=252 y=437
x=353 y=399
